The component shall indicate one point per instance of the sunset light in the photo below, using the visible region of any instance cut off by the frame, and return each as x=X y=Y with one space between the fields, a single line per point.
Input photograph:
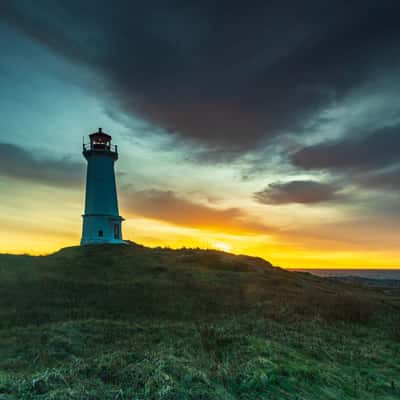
x=297 y=164
x=223 y=246
x=199 y=200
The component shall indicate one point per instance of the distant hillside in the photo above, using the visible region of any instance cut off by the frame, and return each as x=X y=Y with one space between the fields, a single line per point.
x=130 y=322
x=382 y=283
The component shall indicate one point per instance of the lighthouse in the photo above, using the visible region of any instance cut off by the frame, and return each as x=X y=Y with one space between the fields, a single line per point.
x=101 y=220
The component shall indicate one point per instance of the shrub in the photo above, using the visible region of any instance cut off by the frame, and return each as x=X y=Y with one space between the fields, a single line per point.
x=337 y=307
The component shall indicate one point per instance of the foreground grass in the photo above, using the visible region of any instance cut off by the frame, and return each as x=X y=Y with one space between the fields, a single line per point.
x=135 y=323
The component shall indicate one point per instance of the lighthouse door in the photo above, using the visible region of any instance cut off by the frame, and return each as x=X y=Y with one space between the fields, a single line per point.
x=116 y=231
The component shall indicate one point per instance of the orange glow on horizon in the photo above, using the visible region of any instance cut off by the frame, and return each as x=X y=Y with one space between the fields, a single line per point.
x=40 y=241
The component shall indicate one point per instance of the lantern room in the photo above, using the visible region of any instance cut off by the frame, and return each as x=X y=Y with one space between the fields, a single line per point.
x=100 y=142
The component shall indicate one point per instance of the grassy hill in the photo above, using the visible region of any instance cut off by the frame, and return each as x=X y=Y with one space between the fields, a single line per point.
x=129 y=322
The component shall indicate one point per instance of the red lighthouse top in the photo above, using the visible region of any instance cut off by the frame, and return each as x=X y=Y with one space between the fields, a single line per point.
x=100 y=142
x=100 y=139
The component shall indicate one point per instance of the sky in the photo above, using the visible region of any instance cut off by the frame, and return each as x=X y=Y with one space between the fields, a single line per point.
x=270 y=128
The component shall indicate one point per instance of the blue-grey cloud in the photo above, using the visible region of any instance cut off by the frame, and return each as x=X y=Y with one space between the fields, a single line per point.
x=221 y=73
x=367 y=152
x=21 y=164
x=300 y=191
x=386 y=179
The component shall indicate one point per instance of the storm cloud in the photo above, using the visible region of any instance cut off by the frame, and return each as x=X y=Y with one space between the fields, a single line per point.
x=220 y=73
x=18 y=163
x=366 y=152
x=302 y=192
x=387 y=179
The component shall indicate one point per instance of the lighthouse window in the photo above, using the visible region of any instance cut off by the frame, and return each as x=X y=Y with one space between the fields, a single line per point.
x=100 y=233
x=116 y=231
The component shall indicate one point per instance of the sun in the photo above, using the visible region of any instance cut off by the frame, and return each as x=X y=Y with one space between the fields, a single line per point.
x=222 y=246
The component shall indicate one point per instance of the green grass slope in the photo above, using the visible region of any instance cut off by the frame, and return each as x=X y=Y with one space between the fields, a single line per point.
x=129 y=322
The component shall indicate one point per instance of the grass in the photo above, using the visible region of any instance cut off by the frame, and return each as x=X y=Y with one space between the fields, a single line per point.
x=128 y=322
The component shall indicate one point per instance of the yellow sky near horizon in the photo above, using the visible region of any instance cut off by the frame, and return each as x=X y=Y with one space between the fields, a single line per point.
x=38 y=219
x=42 y=240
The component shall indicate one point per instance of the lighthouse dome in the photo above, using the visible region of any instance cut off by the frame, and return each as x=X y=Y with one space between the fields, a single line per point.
x=100 y=135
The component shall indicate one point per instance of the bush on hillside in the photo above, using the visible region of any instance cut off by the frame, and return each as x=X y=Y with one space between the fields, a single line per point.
x=337 y=307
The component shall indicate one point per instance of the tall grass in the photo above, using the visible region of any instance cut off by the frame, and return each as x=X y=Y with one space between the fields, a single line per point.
x=130 y=322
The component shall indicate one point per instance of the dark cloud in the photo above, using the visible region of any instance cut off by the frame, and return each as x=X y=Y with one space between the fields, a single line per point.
x=303 y=192
x=18 y=163
x=169 y=207
x=368 y=152
x=219 y=72
x=387 y=179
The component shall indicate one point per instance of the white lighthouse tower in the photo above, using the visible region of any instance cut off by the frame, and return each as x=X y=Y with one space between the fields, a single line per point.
x=101 y=220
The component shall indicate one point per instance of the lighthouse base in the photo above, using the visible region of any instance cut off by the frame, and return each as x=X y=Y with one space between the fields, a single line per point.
x=98 y=229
